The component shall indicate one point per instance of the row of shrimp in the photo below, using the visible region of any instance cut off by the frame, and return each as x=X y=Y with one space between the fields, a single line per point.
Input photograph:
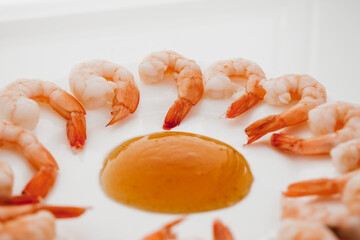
x=26 y=217
x=337 y=129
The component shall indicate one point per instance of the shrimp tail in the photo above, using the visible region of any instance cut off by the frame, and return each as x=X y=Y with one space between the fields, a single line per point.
x=21 y=199
x=120 y=112
x=242 y=104
x=165 y=232
x=221 y=232
x=286 y=142
x=323 y=187
x=177 y=113
x=263 y=126
x=65 y=212
x=41 y=183
x=76 y=130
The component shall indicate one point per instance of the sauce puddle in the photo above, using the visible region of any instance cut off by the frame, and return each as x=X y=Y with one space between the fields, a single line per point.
x=176 y=172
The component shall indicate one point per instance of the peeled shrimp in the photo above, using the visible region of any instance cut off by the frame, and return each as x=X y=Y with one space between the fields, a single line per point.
x=220 y=231
x=37 y=156
x=188 y=77
x=346 y=156
x=331 y=123
x=98 y=82
x=347 y=185
x=282 y=90
x=17 y=105
x=347 y=225
x=6 y=181
x=36 y=226
x=304 y=230
x=218 y=84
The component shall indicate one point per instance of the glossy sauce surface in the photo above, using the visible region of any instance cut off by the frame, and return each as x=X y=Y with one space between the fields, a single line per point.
x=175 y=172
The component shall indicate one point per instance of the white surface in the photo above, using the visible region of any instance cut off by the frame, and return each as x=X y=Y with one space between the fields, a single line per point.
x=313 y=37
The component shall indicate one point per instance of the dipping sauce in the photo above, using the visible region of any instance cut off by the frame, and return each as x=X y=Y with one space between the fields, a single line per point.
x=175 y=172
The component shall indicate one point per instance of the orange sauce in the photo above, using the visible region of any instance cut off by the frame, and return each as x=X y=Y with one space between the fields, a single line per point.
x=175 y=172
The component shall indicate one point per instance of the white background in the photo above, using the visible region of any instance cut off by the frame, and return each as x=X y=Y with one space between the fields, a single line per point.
x=44 y=40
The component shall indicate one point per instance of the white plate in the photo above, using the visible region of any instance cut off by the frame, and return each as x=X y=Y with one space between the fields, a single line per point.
x=78 y=181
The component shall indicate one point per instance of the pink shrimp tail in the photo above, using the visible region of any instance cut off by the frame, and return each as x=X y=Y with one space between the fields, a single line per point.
x=41 y=183
x=165 y=232
x=242 y=104
x=263 y=126
x=120 y=112
x=65 y=212
x=287 y=143
x=76 y=130
x=177 y=113
x=221 y=232
x=323 y=187
x=21 y=199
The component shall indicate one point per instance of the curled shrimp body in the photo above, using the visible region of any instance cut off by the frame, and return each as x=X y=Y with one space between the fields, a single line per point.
x=99 y=82
x=347 y=185
x=18 y=105
x=187 y=75
x=346 y=224
x=304 y=230
x=331 y=123
x=35 y=226
x=346 y=156
x=35 y=153
x=282 y=90
x=218 y=83
x=6 y=181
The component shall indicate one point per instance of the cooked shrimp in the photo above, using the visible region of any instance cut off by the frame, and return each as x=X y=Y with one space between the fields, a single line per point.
x=17 y=105
x=6 y=181
x=347 y=185
x=221 y=232
x=218 y=83
x=331 y=123
x=187 y=75
x=15 y=210
x=35 y=226
x=99 y=82
x=282 y=90
x=165 y=232
x=37 y=156
x=304 y=230
x=346 y=156
x=347 y=225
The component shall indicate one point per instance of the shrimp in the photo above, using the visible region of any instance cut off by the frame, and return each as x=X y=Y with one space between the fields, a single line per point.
x=98 y=82
x=218 y=84
x=165 y=232
x=347 y=226
x=304 y=230
x=17 y=105
x=36 y=154
x=15 y=210
x=347 y=185
x=187 y=75
x=331 y=123
x=33 y=221
x=35 y=226
x=220 y=231
x=346 y=156
x=283 y=90
x=6 y=181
